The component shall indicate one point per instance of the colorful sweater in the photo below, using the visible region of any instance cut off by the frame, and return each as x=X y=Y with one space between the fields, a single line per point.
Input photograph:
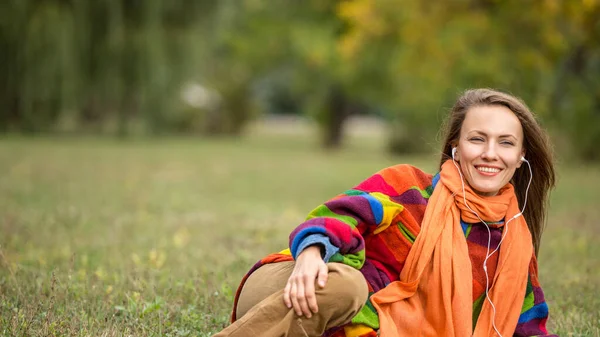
x=372 y=228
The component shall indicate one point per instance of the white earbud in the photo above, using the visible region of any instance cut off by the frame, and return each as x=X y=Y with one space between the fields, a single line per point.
x=453 y=153
x=523 y=158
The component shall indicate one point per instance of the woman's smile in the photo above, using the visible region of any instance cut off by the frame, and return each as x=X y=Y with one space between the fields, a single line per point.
x=488 y=170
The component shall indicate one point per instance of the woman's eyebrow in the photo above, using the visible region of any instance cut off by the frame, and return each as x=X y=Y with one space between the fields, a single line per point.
x=477 y=132
x=507 y=135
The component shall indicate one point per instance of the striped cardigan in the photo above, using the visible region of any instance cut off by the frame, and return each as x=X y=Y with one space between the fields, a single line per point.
x=372 y=228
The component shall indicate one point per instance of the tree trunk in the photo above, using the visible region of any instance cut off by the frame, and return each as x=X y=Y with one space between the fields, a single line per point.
x=338 y=110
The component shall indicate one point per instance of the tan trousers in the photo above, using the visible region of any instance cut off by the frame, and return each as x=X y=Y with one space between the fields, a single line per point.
x=262 y=312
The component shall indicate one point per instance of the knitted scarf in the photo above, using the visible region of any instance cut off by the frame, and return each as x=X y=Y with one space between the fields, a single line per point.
x=433 y=296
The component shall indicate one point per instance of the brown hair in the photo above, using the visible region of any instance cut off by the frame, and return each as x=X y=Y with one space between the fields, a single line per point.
x=537 y=151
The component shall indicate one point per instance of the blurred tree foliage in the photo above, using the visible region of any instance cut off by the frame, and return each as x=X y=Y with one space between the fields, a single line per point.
x=97 y=64
x=547 y=52
x=120 y=65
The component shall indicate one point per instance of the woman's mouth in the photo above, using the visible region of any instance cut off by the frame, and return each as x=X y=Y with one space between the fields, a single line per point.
x=487 y=170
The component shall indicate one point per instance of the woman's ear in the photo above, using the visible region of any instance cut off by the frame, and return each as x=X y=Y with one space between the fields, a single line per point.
x=454 y=151
x=521 y=159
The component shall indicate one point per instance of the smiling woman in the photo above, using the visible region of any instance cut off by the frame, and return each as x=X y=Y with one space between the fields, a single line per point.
x=406 y=253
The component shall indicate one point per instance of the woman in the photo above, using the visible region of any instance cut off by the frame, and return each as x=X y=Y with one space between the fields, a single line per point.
x=447 y=255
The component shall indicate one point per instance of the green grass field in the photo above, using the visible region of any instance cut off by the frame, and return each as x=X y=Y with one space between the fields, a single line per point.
x=108 y=238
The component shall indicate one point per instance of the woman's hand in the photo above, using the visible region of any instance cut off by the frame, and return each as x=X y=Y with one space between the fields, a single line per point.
x=299 y=291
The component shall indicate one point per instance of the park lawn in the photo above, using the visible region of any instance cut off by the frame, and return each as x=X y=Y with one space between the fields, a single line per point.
x=118 y=238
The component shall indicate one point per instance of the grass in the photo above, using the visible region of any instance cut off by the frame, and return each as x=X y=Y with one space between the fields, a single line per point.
x=107 y=238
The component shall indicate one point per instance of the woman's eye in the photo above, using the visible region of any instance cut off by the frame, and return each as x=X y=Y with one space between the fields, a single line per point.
x=507 y=143
x=476 y=139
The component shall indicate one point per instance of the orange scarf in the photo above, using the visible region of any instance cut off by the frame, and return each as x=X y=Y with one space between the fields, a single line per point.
x=433 y=296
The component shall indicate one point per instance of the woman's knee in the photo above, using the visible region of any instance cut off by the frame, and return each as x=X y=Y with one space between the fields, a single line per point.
x=265 y=281
x=346 y=287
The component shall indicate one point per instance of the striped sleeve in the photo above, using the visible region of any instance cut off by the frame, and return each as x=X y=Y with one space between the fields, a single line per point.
x=534 y=313
x=347 y=217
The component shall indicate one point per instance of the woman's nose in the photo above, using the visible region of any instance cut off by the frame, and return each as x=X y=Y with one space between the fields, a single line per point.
x=489 y=152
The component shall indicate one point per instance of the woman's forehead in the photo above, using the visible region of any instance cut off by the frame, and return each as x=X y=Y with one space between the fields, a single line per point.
x=493 y=120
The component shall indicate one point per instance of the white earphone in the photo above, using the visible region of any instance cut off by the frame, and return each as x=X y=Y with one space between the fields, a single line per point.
x=488 y=254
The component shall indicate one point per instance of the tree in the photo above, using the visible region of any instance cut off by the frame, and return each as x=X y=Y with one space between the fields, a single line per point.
x=546 y=52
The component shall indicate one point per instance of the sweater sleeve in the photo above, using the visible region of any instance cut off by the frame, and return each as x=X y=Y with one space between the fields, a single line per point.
x=327 y=249
x=534 y=313
x=345 y=219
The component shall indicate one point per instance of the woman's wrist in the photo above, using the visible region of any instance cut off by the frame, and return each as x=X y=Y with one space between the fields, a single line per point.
x=313 y=251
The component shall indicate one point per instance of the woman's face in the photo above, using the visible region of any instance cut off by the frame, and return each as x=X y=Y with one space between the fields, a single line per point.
x=489 y=148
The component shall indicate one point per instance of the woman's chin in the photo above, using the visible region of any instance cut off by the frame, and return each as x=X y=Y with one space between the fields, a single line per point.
x=486 y=190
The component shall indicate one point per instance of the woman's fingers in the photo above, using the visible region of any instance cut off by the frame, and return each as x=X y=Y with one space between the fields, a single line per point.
x=309 y=295
x=302 y=300
x=299 y=294
x=323 y=275
x=286 y=295
x=294 y=299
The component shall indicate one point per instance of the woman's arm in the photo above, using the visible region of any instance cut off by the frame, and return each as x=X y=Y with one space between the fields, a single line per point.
x=344 y=220
x=370 y=207
x=336 y=229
